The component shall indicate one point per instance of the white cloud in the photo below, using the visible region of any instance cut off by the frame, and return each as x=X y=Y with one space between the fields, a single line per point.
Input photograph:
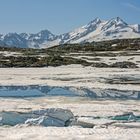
x=132 y=6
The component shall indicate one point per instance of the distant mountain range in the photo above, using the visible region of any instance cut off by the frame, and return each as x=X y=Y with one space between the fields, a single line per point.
x=96 y=30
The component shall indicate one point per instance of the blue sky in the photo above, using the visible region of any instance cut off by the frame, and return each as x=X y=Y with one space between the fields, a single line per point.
x=60 y=16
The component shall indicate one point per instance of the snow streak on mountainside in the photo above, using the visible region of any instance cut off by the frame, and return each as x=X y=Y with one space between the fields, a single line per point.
x=96 y=30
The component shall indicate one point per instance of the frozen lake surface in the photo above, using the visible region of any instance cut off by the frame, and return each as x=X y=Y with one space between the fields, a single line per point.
x=69 y=102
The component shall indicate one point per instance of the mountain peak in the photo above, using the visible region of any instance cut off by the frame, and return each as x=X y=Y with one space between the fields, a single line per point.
x=114 y=23
x=92 y=25
x=11 y=34
x=95 y=21
x=45 y=32
x=118 y=21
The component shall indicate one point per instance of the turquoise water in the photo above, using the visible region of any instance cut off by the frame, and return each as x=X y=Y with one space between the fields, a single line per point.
x=128 y=117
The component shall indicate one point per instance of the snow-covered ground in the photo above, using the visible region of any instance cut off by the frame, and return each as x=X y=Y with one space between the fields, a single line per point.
x=70 y=76
x=115 y=56
x=8 y=53
x=75 y=133
x=96 y=112
x=84 y=109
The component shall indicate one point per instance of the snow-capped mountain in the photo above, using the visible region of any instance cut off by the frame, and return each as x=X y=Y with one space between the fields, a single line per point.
x=99 y=30
x=81 y=32
x=96 y=30
x=25 y=40
x=14 y=39
x=44 y=36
